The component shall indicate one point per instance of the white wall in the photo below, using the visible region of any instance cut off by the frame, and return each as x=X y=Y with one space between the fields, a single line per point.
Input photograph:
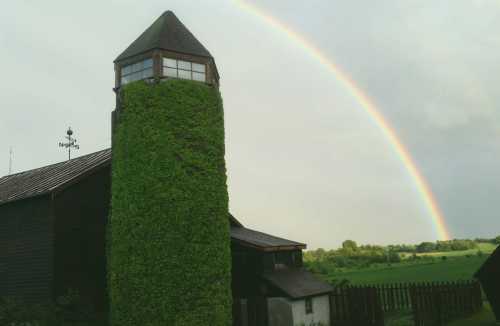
x=320 y=314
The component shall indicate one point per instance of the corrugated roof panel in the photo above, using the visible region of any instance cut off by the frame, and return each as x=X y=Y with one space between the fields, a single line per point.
x=48 y=178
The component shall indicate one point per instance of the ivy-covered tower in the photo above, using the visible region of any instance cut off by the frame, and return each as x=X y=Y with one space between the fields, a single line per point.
x=169 y=247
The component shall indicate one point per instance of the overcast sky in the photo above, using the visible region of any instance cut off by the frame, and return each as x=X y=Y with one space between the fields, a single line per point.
x=304 y=160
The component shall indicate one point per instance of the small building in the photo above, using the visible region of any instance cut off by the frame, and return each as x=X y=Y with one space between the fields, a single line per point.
x=489 y=277
x=270 y=286
x=53 y=219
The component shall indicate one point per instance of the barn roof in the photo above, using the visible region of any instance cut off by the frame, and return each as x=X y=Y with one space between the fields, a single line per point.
x=263 y=241
x=167 y=33
x=46 y=179
x=296 y=283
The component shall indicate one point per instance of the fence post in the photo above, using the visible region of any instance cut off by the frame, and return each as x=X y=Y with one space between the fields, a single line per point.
x=479 y=296
x=438 y=303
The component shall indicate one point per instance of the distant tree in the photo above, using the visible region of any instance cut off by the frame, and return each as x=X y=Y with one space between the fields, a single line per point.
x=426 y=247
x=320 y=254
x=394 y=257
x=443 y=246
x=497 y=240
x=350 y=244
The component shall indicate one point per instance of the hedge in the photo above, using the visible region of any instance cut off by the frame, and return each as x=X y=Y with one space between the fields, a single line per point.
x=169 y=245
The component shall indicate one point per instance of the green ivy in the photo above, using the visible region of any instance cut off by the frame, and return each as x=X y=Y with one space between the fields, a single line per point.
x=170 y=260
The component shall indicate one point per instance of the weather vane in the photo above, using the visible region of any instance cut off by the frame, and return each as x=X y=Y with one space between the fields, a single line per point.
x=70 y=144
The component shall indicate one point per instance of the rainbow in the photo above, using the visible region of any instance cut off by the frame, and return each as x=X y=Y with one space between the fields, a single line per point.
x=368 y=106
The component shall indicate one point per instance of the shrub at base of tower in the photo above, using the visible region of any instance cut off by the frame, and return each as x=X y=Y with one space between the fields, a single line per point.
x=170 y=260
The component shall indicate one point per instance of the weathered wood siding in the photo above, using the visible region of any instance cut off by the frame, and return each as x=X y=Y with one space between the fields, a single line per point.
x=80 y=252
x=26 y=249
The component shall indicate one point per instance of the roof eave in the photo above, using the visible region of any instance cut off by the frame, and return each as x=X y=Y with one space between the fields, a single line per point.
x=118 y=59
x=316 y=294
x=299 y=246
x=42 y=194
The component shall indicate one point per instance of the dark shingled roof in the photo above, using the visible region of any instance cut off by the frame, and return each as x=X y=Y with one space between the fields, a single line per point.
x=296 y=283
x=167 y=33
x=48 y=178
x=263 y=241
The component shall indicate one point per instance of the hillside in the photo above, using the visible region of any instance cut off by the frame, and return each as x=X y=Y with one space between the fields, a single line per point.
x=375 y=265
x=452 y=269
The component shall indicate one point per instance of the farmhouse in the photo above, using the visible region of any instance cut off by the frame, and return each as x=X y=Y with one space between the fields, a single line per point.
x=489 y=277
x=54 y=219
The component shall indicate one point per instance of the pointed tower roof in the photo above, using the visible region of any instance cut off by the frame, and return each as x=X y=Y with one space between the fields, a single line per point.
x=167 y=33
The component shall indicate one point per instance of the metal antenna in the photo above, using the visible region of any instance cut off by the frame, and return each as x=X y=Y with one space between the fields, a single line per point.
x=71 y=142
x=10 y=160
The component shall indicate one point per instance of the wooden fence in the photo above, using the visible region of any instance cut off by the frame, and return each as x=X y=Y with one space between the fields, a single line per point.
x=431 y=303
x=356 y=306
x=438 y=303
x=394 y=297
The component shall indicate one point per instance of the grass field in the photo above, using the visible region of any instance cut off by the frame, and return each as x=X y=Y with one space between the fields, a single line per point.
x=486 y=248
x=458 y=265
x=452 y=269
x=483 y=318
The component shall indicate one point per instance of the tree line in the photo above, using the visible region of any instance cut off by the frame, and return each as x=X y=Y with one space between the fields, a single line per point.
x=352 y=255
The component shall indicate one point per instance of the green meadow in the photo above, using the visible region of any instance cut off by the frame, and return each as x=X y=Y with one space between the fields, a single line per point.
x=431 y=267
x=486 y=248
x=452 y=269
x=483 y=318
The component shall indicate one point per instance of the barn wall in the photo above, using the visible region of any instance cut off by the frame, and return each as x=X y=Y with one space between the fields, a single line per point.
x=245 y=266
x=81 y=212
x=26 y=249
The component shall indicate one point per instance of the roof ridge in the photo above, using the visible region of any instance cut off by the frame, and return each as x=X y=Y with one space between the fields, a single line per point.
x=53 y=164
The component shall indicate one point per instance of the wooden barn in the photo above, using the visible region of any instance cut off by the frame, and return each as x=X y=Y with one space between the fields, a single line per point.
x=53 y=239
x=53 y=219
x=489 y=277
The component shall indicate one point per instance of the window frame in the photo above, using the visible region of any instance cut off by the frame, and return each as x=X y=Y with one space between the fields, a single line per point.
x=309 y=306
x=185 y=67
x=136 y=69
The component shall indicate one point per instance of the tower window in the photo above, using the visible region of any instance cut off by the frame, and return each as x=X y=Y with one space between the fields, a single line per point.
x=137 y=71
x=184 y=69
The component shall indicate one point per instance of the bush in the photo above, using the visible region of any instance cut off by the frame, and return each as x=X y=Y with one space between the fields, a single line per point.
x=170 y=260
x=68 y=310
x=426 y=247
